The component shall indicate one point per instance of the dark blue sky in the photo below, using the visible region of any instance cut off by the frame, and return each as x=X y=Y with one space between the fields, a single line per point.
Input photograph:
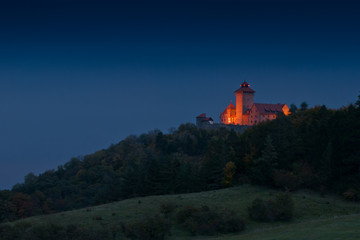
x=76 y=76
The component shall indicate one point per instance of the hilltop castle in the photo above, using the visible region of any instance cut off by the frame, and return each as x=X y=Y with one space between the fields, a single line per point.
x=246 y=112
x=249 y=113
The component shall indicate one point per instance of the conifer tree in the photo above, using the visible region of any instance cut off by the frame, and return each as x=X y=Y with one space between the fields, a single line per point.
x=262 y=170
x=293 y=108
x=153 y=178
x=304 y=106
x=269 y=153
x=358 y=102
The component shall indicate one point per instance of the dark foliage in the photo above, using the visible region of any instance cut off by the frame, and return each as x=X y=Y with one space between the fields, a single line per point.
x=286 y=180
x=155 y=228
x=204 y=221
x=280 y=209
x=25 y=231
x=167 y=209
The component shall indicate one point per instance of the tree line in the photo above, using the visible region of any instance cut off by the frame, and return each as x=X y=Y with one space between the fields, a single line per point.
x=317 y=148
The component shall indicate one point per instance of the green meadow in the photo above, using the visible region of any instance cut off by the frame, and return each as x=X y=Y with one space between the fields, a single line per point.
x=315 y=217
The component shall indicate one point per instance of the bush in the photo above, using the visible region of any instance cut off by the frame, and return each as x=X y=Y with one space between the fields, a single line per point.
x=259 y=210
x=286 y=180
x=47 y=231
x=352 y=194
x=204 y=221
x=167 y=209
x=230 y=222
x=280 y=209
x=151 y=228
x=186 y=213
x=50 y=231
x=284 y=207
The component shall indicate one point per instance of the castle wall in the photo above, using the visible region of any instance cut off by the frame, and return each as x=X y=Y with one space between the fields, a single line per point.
x=254 y=116
x=267 y=117
x=245 y=119
x=228 y=116
x=239 y=108
x=248 y=100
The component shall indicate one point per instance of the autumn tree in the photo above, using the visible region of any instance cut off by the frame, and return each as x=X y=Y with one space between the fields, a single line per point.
x=229 y=173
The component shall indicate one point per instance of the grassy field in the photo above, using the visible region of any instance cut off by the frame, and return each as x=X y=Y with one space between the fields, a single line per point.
x=315 y=217
x=337 y=228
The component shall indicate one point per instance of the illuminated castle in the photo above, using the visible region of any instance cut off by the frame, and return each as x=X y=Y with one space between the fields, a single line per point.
x=246 y=112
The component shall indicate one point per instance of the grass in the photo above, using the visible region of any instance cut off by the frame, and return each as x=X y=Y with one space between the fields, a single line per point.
x=315 y=217
x=338 y=228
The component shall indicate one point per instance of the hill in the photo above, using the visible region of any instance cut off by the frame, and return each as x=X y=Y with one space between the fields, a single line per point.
x=315 y=148
x=315 y=216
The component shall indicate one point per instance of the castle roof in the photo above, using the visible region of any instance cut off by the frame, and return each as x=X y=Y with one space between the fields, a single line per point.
x=269 y=109
x=244 y=87
x=231 y=106
x=203 y=115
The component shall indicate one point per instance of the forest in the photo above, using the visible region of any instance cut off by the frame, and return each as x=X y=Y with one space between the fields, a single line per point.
x=316 y=148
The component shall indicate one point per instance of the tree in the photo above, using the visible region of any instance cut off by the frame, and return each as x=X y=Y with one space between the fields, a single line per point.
x=7 y=211
x=153 y=178
x=303 y=106
x=293 y=108
x=130 y=179
x=22 y=203
x=213 y=164
x=269 y=153
x=262 y=170
x=229 y=172
x=358 y=102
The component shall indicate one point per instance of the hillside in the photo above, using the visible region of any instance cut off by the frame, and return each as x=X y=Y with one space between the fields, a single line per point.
x=315 y=148
x=325 y=217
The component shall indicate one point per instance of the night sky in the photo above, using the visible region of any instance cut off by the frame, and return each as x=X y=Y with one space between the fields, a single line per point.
x=77 y=76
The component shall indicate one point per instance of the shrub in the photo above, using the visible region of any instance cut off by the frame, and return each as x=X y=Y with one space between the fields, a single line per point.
x=352 y=194
x=204 y=221
x=230 y=222
x=284 y=207
x=47 y=231
x=50 y=231
x=280 y=209
x=259 y=210
x=167 y=208
x=97 y=218
x=151 y=228
x=8 y=232
x=186 y=213
x=286 y=180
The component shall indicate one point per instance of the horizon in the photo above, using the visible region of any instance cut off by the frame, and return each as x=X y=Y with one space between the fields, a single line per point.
x=79 y=76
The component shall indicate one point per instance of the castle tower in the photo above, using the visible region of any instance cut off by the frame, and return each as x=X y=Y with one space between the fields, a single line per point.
x=244 y=101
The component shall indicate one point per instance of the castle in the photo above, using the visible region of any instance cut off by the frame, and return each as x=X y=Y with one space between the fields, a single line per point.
x=246 y=112
x=249 y=113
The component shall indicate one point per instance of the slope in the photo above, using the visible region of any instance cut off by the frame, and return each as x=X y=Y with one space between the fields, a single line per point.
x=313 y=213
